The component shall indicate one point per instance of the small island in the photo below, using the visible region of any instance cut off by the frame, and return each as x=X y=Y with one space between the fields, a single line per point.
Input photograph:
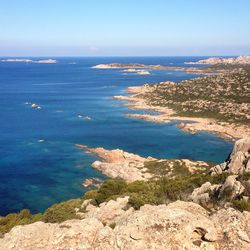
x=26 y=60
x=241 y=60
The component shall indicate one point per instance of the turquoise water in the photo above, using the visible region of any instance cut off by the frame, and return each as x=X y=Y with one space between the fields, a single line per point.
x=35 y=174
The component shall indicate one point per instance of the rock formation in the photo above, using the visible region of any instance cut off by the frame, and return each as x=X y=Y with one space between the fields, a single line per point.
x=238 y=161
x=221 y=193
x=131 y=167
x=179 y=225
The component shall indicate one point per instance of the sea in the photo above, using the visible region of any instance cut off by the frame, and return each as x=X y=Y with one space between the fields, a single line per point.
x=39 y=162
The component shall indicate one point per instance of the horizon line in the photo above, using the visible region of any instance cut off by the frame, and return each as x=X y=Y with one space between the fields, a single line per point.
x=63 y=56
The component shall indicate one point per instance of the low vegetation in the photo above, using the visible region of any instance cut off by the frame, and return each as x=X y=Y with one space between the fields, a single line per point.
x=225 y=97
x=155 y=192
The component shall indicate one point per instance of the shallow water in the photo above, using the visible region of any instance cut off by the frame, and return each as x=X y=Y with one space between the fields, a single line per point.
x=39 y=164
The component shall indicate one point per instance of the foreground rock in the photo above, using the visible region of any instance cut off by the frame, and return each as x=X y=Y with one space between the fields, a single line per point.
x=238 y=161
x=131 y=167
x=180 y=225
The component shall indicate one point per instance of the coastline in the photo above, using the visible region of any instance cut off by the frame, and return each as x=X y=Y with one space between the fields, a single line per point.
x=146 y=190
x=135 y=66
x=136 y=101
x=119 y=164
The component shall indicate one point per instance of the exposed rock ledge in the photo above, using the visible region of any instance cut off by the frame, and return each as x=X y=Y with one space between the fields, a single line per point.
x=179 y=225
x=225 y=130
x=131 y=167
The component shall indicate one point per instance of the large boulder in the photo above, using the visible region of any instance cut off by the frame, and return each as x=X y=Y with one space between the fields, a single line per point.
x=239 y=160
x=204 y=193
x=109 y=212
x=231 y=189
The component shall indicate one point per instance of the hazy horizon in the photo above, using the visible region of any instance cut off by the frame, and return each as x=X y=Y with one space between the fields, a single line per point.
x=128 y=28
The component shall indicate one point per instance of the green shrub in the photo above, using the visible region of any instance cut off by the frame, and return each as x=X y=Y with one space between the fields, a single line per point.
x=108 y=189
x=242 y=205
x=90 y=194
x=154 y=192
x=22 y=218
x=136 y=200
x=62 y=211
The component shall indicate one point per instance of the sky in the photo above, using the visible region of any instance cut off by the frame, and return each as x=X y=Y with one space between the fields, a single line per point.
x=124 y=27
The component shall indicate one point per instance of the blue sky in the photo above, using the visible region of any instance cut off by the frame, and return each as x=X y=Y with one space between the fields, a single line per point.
x=124 y=27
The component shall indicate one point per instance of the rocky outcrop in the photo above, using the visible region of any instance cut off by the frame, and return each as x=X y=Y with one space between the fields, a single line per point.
x=110 y=212
x=204 y=194
x=120 y=164
x=131 y=167
x=92 y=182
x=179 y=225
x=238 y=161
x=229 y=190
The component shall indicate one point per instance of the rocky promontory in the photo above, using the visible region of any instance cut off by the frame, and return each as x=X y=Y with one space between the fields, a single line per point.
x=131 y=167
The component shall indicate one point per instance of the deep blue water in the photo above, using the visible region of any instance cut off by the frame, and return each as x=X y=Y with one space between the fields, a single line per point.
x=37 y=174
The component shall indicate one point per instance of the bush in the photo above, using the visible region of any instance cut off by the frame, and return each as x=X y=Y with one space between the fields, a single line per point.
x=136 y=200
x=22 y=218
x=242 y=205
x=62 y=211
x=90 y=194
x=108 y=189
x=154 y=192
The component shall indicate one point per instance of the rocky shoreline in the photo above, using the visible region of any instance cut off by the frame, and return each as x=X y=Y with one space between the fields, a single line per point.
x=138 y=100
x=224 y=130
x=118 y=164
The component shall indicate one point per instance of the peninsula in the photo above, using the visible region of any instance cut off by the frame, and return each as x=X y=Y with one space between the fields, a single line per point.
x=218 y=104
